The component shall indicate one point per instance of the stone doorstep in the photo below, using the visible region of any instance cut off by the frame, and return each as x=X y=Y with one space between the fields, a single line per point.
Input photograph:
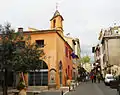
x=71 y=87
x=37 y=87
x=43 y=88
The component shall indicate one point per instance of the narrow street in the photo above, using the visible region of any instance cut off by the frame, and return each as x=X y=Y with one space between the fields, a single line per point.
x=93 y=89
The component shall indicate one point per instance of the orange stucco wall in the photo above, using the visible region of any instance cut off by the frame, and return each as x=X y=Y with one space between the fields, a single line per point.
x=55 y=52
x=49 y=48
x=61 y=56
x=69 y=63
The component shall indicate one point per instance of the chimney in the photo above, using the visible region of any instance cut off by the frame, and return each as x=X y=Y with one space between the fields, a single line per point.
x=20 y=29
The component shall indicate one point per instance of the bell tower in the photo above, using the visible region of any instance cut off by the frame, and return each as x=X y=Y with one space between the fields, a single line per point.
x=56 y=21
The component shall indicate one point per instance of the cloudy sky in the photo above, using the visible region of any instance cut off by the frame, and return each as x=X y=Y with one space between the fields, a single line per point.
x=82 y=18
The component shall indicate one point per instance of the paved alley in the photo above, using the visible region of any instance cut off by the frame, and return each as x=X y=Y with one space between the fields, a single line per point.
x=93 y=89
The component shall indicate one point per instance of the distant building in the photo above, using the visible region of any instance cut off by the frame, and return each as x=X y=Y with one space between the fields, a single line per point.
x=87 y=66
x=75 y=44
x=107 y=52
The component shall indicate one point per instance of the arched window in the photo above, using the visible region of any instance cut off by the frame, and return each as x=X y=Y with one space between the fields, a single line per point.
x=68 y=70
x=60 y=65
x=43 y=64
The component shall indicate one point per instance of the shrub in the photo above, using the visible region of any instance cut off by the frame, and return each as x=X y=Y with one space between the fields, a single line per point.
x=21 y=85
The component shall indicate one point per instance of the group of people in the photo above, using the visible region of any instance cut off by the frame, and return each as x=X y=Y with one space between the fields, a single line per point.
x=95 y=77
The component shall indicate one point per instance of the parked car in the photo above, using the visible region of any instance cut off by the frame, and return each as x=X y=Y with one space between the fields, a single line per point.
x=116 y=83
x=108 y=79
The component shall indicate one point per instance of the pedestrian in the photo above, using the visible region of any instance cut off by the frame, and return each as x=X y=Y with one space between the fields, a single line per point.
x=98 y=77
x=92 y=76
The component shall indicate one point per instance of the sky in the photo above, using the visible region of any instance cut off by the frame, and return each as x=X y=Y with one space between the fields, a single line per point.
x=83 y=19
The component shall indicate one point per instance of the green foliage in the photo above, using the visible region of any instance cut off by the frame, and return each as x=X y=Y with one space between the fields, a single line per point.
x=17 y=52
x=6 y=45
x=85 y=59
x=27 y=58
x=21 y=84
x=81 y=70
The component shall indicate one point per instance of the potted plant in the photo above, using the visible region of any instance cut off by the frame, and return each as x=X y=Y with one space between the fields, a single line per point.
x=21 y=87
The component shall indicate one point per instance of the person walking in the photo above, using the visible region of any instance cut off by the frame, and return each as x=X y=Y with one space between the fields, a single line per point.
x=92 y=76
x=98 y=77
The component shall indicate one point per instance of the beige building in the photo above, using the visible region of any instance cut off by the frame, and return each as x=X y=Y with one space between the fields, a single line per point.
x=109 y=50
x=75 y=44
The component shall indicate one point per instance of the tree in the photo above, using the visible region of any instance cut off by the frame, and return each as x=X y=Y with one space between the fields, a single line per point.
x=6 y=52
x=17 y=53
x=27 y=58
x=81 y=70
x=85 y=59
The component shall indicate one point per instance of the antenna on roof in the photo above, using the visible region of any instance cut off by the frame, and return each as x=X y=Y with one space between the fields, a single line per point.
x=68 y=34
x=114 y=23
x=56 y=6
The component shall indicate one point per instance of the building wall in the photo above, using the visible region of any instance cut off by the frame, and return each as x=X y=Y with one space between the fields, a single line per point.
x=49 y=48
x=69 y=64
x=60 y=44
x=77 y=47
x=70 y=42
x=114 y=51
x=75 y=61
x=55 y=53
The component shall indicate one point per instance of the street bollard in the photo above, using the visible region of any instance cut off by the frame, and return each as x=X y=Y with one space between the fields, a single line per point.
x=73 y=87
x=118 y=89
x=62 y=92
x=69 y=88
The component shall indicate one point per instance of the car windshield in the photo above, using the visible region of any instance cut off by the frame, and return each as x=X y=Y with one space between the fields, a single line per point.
x=110 y=77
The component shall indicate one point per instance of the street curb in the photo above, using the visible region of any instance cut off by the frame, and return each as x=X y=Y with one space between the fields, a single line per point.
x=66 y=92
x=72 y=88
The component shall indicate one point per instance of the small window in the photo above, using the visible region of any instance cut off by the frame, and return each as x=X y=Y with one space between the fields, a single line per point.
x=54 y=23
x=40 y=43
x=66 y=71
x=60 y=65
x=69 y=54
x=66 y=51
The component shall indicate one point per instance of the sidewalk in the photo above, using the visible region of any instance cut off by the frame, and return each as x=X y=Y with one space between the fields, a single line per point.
x=30 y=89
x=43 y=90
